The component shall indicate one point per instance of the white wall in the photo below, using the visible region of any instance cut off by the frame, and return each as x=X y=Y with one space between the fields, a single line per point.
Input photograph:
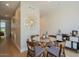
x=43 y=26
x=15 y=28
x=28 y=9
x=65 y=18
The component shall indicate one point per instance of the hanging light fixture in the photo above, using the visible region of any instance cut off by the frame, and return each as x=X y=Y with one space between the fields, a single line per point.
x=30 y=21
x=31 y=18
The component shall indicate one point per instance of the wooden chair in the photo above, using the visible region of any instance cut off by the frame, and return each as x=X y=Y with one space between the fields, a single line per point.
x=35 y=38
x=56 y=51
x=33 y=50
x=32 y=36
x=54 y=36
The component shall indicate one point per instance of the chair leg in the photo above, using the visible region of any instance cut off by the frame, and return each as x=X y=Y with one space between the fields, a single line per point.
x=27 y=54
x=47 y=54
x=64 y=53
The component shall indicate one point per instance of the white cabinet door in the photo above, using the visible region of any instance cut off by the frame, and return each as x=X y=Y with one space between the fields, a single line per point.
x=68 y=44
x=59 y=37
x=75 y=45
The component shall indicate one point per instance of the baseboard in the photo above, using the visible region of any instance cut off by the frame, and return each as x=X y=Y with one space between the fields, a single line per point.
x=16 y=46
x=23 y=49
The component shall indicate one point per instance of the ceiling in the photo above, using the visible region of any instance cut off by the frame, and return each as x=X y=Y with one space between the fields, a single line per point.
x=45 y=7
x=7 y=8
x=49 y=7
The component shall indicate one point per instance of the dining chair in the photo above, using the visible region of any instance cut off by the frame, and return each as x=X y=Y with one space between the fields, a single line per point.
x=33 y=36
x=56 y=51
x=54 y=36
x=34 y=50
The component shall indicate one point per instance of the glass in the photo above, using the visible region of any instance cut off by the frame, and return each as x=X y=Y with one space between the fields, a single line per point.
x=2 y=27
x=2 y=24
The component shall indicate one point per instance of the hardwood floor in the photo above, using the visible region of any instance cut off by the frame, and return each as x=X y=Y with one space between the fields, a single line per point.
x=10 y=50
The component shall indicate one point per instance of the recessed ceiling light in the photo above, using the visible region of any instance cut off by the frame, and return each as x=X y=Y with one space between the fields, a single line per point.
x=7 y=4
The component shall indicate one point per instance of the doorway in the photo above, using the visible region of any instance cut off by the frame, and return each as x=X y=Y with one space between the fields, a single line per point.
x=5 y=29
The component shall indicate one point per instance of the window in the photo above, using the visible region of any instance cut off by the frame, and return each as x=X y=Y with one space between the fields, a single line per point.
x=3 y=25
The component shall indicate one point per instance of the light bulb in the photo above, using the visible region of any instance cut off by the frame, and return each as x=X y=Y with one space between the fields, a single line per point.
x=7 y=4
